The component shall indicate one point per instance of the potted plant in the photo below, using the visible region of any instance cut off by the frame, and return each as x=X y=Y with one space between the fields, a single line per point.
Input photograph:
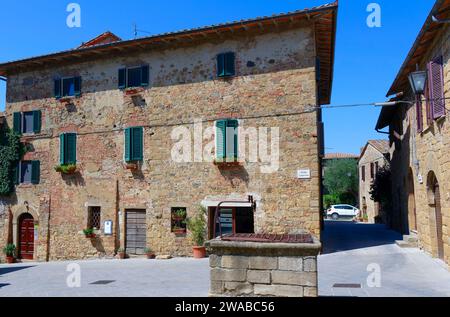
x=149 y=253
x=66 y=168
x=197 y=228
x=365 y=218
x=9 y=251
x=179 y=215
x=121 y=253
x=178 y=230
x=89 y=233
x=131 y=165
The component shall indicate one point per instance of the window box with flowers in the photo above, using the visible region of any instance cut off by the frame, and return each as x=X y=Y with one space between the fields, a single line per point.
x=67 y=169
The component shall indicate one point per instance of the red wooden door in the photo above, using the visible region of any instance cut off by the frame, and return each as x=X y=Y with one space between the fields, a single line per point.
x=26 y=249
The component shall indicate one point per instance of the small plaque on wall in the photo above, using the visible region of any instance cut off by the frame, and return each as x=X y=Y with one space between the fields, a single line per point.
x=304 y=174
x=108 y=227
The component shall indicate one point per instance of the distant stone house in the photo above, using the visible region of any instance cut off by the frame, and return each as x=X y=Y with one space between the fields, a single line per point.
x=374 y=156
x=419 y=137
x=127 y=138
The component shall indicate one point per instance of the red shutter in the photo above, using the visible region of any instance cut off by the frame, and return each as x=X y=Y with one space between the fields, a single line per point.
x=436 y=80
x=419 y=114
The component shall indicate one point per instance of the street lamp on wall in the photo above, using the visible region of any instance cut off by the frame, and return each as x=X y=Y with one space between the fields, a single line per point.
x=417 y=81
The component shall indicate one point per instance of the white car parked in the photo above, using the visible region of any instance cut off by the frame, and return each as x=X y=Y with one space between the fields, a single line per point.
x=342 y=211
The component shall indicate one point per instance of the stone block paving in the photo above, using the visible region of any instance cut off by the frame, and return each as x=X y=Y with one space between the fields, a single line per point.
x=181 y=277
x=350 y=248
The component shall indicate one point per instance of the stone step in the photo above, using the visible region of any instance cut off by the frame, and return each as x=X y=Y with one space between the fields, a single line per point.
x=405 y=244
x=412 y=238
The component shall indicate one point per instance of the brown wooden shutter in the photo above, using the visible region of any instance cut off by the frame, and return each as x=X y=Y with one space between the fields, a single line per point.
x=427 y=98
x=419 y=114
x=436 y=81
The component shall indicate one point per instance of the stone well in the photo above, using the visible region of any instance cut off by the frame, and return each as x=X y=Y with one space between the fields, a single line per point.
x=264 y=265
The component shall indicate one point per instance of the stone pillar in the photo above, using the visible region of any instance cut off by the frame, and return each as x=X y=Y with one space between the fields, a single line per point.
x=263 y=269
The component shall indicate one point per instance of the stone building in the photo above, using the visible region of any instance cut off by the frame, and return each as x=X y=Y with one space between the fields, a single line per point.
x=374 y=155
x=105 y=124
x=420 y=139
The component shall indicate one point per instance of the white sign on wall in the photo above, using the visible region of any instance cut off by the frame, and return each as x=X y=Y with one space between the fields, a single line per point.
x=304 y=174
x=108 y=227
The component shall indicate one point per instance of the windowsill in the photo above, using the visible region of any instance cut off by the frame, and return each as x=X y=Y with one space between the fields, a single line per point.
x=67 y=98
x=25 y=185
x=132 y=91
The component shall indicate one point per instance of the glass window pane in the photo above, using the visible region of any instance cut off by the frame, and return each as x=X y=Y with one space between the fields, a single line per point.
x=25 y=172
x=69 y=87
x=27 y=122
x=134 y=77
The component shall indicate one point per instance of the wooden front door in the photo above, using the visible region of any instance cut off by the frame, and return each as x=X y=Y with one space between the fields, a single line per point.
x=26 y=236
x=439 y=231
x=136 y=232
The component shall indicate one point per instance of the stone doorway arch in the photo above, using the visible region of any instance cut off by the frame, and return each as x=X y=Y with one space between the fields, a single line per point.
x=412 y=212
x=434 y=201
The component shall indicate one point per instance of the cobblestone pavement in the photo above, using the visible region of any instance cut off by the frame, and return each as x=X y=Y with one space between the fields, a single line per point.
x=349 y=248
x=181 y=277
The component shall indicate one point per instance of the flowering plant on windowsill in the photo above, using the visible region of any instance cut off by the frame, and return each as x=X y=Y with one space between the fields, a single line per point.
x=89 y=233
x=228 y=161
x=132 y=91
x=66 y=168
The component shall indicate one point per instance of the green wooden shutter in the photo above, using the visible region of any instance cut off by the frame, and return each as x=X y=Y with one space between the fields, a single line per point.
x=221 y=65
x=220 y=138
x=71 y=148
x=233 y=151
x=122 y=78
x=35 y=172
x=229 y=64
x=145 y=75
x=136 y=148
x=62 y=149
x=77 y=86
x=16 y=173
x=127 y=145
x=17 y=122
x=37 y=121
x=57 y=89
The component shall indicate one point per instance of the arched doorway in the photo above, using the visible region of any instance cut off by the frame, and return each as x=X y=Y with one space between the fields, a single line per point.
x=26 y=237
x=412 y=213
x=434 y=200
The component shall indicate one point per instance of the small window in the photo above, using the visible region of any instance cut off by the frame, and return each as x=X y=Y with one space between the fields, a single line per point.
x=28 y=172
x=94 y=218
x=226 y=64
x=227 y=140
x=134 y=144
x=178 y=220
x=363 y=173
x=134 y=77
x=67 y=87
x=372 y=170
x=27 y=122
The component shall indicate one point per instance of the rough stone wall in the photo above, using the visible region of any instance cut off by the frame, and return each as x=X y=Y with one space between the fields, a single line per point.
x=371 y=155
x=432 y=151
x=183 y=88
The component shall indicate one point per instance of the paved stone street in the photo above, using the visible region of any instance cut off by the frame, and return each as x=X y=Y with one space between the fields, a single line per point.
x=133 y=277
x=351 y=247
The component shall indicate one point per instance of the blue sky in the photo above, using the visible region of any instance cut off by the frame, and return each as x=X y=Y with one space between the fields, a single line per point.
x=367 y=59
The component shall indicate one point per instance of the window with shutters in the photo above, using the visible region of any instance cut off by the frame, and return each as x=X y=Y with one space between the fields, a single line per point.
x=27 y=122
x=133 y=77
x=68 y=148
x=134 y=144
x=28 y=172
x=94 y=218
x=436 y=88
x=226 y=64
x=363 y=173
x=372 y=170
x=67 y=87
x=227 y=140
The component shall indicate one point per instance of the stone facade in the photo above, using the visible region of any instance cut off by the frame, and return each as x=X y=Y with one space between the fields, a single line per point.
x=373 y=157
x=275 y=73
x=421 y=157
x=263 y=269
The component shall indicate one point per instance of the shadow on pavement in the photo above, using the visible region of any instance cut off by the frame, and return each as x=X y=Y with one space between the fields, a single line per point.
x=344 y=236
x=4 y=284
x=12 y=269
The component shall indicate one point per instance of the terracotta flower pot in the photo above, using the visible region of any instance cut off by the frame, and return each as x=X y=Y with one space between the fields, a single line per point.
x=122 y=255
x=91 y=236
x=199 y=252
x=151 y=256
x=9 y=259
